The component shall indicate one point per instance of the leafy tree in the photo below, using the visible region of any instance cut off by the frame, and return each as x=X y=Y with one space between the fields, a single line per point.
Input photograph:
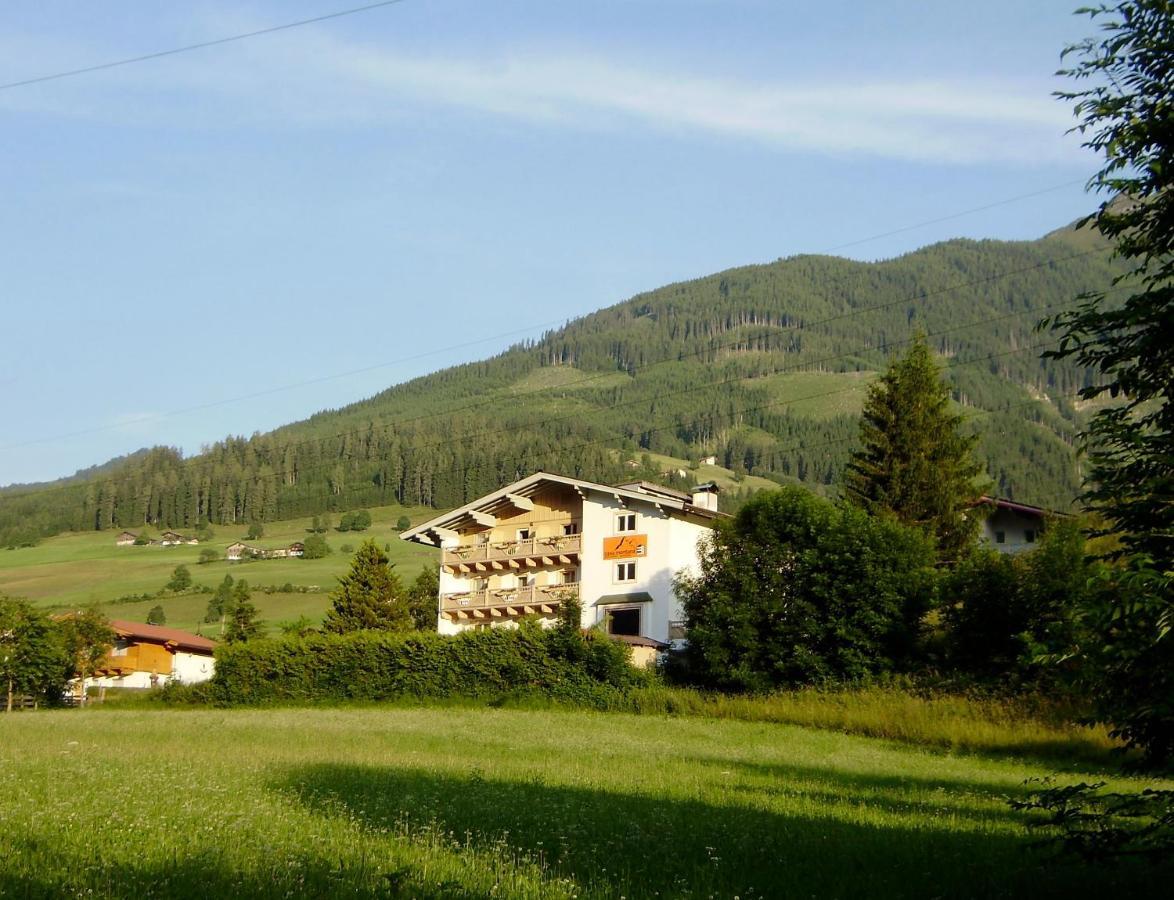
x=142 y=539
x=88 y=639
x=914 y=464
x=204 y=533
x=423 y=597
x=181 y=580
x=256 y=531
x=1122 y=104
x=157 y=616
x=347 y=549
x=33 y=658
x=795 y=589
x=315 y=525
x=208 y=555
x=369 y=596
x=243 y=624
x=315 y=547
x=403 y=523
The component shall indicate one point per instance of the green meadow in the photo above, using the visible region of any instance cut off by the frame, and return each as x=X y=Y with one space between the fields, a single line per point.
x=79 y=569
x=475 y=802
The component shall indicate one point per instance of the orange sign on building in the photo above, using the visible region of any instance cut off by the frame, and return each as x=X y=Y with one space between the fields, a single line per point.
x=627 y=546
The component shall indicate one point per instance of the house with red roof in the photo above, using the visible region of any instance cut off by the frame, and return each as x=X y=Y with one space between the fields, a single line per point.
x=146 y=656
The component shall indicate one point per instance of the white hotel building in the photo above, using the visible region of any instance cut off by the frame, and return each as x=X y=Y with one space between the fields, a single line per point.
x=522 y=549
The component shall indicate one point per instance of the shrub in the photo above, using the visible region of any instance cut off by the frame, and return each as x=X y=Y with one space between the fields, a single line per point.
x=374 y=665
x=315 y=547
x=208 y=555
x=157 y=616
x=181 y=580
x=256 y=530
x=403 y=523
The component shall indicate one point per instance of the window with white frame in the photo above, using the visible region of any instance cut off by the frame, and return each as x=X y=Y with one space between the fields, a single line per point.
x=625 y=571
x=524 y=534
x=625 y=522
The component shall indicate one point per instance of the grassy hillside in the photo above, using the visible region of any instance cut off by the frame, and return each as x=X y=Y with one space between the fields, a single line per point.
x=764 y=366
x=477 y=803
x=74 y=570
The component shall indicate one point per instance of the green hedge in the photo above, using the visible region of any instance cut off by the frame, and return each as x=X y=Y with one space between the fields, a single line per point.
x=374 y=665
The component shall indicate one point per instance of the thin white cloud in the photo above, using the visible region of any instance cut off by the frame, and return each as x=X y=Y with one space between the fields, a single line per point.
x=313 y=80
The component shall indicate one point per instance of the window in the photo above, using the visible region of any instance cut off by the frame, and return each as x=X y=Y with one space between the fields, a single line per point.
x=1000 y=537
x=571 y=528
x=1029 y=535
x=527 y=581
x=524 y=534
x=569 y=576
x=625 y=522
x=626 y=571
x=480 y=584
x=676 y=631
x=623 y=621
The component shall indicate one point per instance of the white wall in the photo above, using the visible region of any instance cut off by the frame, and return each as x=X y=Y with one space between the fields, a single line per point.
x=1015 y=526
x=191 y=668
x=672 y=546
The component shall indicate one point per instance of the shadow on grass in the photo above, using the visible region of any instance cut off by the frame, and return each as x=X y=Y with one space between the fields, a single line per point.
x=634 y=845
x=53 y=872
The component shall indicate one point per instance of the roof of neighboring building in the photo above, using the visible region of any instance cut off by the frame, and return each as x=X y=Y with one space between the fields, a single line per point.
x=481 y=511
x=1023 y=508
x=159 y=634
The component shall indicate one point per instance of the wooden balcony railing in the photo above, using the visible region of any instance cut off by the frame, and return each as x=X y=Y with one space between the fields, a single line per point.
x=498 y=551
x=509 y=601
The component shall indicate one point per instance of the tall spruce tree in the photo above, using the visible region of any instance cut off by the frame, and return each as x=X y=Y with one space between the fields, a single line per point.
x=369 y=596
x=243 y=624
x=914 y=464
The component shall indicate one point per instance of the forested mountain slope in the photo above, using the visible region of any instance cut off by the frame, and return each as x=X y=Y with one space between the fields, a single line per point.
x=764 y=366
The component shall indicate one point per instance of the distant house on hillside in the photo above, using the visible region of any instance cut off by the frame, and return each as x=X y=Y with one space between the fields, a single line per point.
x=297 y=548
x=145 y=656
x=173 y=538
x=239 y=550
x=126 y=539
x=1013 y=527
x=707 y=461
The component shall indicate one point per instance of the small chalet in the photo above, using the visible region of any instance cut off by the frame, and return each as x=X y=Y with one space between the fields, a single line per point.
x=173 y=538
x=707 y=461
x=241 y=550
x=1013 y=527
x=126 y=539
x=297 y=548
x=146 y=656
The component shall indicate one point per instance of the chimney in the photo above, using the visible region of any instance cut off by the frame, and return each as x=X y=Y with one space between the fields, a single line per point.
x=705 y=496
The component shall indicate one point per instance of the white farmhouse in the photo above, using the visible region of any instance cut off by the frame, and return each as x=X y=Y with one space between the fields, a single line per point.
x=1013 y=527
x=524 y=548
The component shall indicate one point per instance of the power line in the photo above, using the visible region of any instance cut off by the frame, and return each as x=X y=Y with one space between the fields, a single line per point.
x=886 y=346
x=187 y=48
x=951 y=216
x=482 y=400
x=797 y=366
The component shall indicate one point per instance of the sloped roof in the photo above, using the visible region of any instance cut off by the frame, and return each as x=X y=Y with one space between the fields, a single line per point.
x=160 y=634
x=1023 y=508
x=464 y=516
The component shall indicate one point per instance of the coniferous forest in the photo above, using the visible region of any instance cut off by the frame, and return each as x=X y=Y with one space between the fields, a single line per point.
x=762 y=366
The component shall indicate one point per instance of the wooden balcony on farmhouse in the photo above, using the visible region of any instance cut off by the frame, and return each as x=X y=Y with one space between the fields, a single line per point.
x=502 y=603
x=555 y=550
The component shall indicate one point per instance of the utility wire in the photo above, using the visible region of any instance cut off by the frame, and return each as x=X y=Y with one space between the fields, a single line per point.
x=39 y=79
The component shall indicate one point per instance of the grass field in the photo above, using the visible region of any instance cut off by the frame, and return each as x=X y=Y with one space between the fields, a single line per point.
x=74 y=570
x=458 y=802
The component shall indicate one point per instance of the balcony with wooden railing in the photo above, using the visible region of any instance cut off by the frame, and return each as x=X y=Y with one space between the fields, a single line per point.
x=501 y=603
x=553 y=550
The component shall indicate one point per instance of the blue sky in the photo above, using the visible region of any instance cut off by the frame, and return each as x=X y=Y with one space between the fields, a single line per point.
x=184 y=239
